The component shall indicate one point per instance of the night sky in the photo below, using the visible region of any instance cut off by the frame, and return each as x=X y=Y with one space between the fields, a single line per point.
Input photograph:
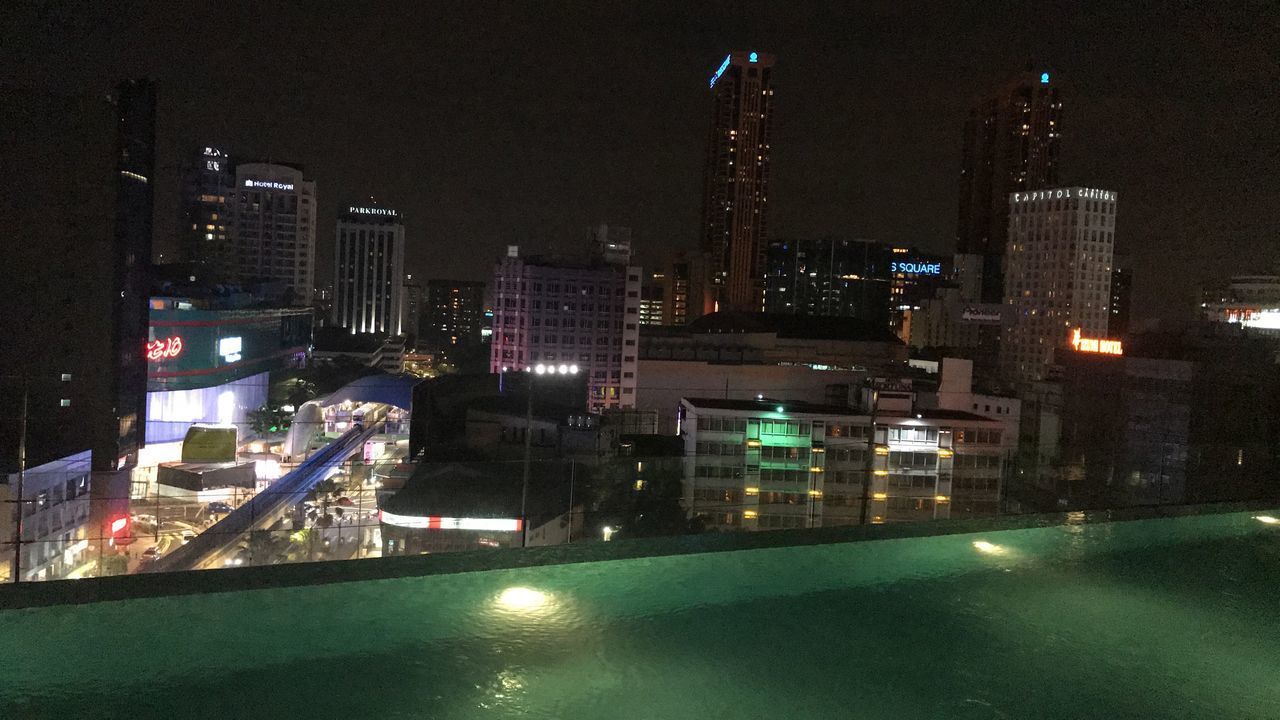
x=491 y=124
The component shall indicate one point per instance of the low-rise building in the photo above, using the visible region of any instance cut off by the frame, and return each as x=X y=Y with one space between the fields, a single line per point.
x=662 y=383
x=765 y=464
x=376 y=351
x=55 y=519
x=455 y=506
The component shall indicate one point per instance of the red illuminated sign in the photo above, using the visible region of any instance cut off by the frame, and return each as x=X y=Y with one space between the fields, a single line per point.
x=1095 y=345
x=170 y=347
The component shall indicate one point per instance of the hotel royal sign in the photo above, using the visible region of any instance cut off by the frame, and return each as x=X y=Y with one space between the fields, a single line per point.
x=1095 y=345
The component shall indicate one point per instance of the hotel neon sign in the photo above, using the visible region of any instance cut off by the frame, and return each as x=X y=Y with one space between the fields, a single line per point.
x=170 y=347
x=1095 y=345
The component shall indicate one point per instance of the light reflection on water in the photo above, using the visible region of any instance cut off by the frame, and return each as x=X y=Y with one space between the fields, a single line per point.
x=1082 y=621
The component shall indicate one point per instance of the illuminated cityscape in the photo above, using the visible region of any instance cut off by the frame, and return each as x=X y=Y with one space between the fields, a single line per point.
x=589 y=395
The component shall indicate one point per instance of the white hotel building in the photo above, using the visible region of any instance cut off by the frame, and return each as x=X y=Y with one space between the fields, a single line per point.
x=272 y=220
x=1057 y=274
x=767 y=464
x=368 y=288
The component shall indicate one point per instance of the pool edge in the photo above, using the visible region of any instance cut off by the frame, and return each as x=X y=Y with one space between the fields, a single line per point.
x=126 y=587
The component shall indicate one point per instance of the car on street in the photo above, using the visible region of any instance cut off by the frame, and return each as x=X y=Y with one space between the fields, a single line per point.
x=150 y=554
x=218 y=507
x=188 y=536
x=241 y=557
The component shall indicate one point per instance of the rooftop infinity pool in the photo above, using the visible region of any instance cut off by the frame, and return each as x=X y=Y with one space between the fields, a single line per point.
x=1170 y=618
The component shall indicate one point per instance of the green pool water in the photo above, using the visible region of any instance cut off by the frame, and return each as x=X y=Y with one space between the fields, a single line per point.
x=1171 y=618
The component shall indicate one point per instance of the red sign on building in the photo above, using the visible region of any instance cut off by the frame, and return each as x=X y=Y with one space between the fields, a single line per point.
x=170 y=347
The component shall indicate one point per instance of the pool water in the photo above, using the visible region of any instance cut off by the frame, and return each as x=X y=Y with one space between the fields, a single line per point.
x=1171 y=618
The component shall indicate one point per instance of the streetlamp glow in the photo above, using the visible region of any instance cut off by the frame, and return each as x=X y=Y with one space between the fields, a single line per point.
x=573 y=369
x=540 y=369
x=563 y=370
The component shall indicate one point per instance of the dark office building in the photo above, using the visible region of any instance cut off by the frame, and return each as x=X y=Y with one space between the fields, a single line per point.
x=684 y=277
x=1188 y=417
x=78 y=205
x=840 y=278
x=452 y=314
x=1121 y=300
x=208 y=178
x=735 y=208
x=1011 y=142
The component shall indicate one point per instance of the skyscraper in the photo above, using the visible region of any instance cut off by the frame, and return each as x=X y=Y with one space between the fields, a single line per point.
x=452 y=314
x=827 y=276
x=208 y=179
x=652 y=299
x=735 y=200
x=272 y=223
x=684 y=278
x=77 y=213
x=369 y=271
x=1121 y=298
x=1010 y=145
x=1058 y=275
x=412 y=305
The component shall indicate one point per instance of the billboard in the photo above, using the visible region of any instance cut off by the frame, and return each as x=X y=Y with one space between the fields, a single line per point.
x=205 y=443
x=190 y=349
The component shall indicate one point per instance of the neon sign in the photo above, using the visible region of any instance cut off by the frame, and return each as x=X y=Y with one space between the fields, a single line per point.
x=1263 y=319
x=916 y=268
x=723 y=66
x=1057 y=194
x=1044 y=78
x=268 y=185
x=1095 y=345
x=170 y=347
x=371 y=211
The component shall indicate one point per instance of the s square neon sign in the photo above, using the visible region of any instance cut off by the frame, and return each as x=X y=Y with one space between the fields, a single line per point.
x=916 y=268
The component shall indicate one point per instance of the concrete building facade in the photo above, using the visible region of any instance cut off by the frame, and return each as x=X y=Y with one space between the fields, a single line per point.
x=554 y=312
x=272 y=226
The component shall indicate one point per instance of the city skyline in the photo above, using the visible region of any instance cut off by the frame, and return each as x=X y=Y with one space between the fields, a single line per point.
x=872 y=134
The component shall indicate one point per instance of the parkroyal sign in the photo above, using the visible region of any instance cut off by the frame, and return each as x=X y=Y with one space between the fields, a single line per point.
x=386 y=212
x=1095 y=345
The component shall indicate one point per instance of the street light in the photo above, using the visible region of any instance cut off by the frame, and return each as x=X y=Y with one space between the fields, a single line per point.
x=538 y=369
